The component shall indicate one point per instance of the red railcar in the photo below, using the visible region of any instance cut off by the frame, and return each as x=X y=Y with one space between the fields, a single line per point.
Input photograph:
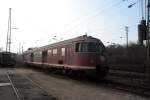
x=82 y=53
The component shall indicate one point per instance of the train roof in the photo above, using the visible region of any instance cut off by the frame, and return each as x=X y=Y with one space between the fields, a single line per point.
x=7 y=53
x=65 y=42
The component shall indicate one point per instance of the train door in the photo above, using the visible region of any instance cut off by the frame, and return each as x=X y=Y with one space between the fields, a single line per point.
x=68 y=55
x=65 y=56
x=44 y=56
x=31 y=57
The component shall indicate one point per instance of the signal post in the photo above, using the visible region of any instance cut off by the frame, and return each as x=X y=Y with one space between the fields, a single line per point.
x=148 y=42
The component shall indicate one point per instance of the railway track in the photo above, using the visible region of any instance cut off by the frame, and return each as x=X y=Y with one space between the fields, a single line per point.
x=114 y=81
x=14 y=88
x=22 y=83
x=33 y=85
x=26 y=89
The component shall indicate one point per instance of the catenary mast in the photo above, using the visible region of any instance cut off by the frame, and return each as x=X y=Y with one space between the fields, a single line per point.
x=8 y=44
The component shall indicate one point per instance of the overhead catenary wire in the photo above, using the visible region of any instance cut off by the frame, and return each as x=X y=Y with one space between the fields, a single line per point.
x=128 y=25
x=87 y=14
x=66 y=33
x=95 y=14
x=112 y=18
x=100 y=12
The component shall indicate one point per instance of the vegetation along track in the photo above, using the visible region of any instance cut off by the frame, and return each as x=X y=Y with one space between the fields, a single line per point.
x=26 y=89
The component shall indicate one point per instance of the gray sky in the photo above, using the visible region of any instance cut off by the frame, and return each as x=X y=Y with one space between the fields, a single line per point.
x=40 y=21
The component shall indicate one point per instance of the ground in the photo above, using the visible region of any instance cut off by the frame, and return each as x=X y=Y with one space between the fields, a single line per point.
x=64 y=88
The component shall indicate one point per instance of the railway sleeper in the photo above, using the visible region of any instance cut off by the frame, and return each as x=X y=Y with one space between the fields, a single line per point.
x=126 y=74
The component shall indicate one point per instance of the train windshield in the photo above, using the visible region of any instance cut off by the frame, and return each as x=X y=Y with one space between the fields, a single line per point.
x=89 y=47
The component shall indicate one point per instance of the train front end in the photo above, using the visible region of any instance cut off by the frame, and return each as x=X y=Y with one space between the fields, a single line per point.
x=91 y=52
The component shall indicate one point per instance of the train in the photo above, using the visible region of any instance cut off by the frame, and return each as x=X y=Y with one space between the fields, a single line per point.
x=84 y=54
x=7 y=59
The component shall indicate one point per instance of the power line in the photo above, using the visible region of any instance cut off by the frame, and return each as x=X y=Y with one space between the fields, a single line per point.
x=101 y=12
x=87 y=14
x=98 y=13
x=95 y=14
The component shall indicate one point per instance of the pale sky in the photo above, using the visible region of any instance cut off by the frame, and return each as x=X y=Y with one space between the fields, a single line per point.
x=39 y=21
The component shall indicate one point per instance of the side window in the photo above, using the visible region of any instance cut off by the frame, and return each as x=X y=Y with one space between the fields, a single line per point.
x=40 y=54
x=55 y=51
x=85 y=47
x=49 y=52
x=77 y=47
x=32 y=56
x=62 y=51
x=35 y=53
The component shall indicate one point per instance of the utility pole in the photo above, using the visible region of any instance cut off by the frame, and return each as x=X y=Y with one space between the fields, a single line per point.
x=142 y=9
x=127 y=31
x=148 y=42
x=19 y=48
x=8 y=44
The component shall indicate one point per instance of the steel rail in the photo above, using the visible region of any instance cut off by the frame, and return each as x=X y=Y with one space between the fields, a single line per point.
x=15 y=89
x=35 y=83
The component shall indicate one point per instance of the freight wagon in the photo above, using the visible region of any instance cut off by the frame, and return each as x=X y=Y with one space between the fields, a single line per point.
x=7 y=59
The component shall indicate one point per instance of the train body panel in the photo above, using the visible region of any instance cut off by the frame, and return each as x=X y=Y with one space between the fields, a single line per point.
x=86 y=59
x=81 y=52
